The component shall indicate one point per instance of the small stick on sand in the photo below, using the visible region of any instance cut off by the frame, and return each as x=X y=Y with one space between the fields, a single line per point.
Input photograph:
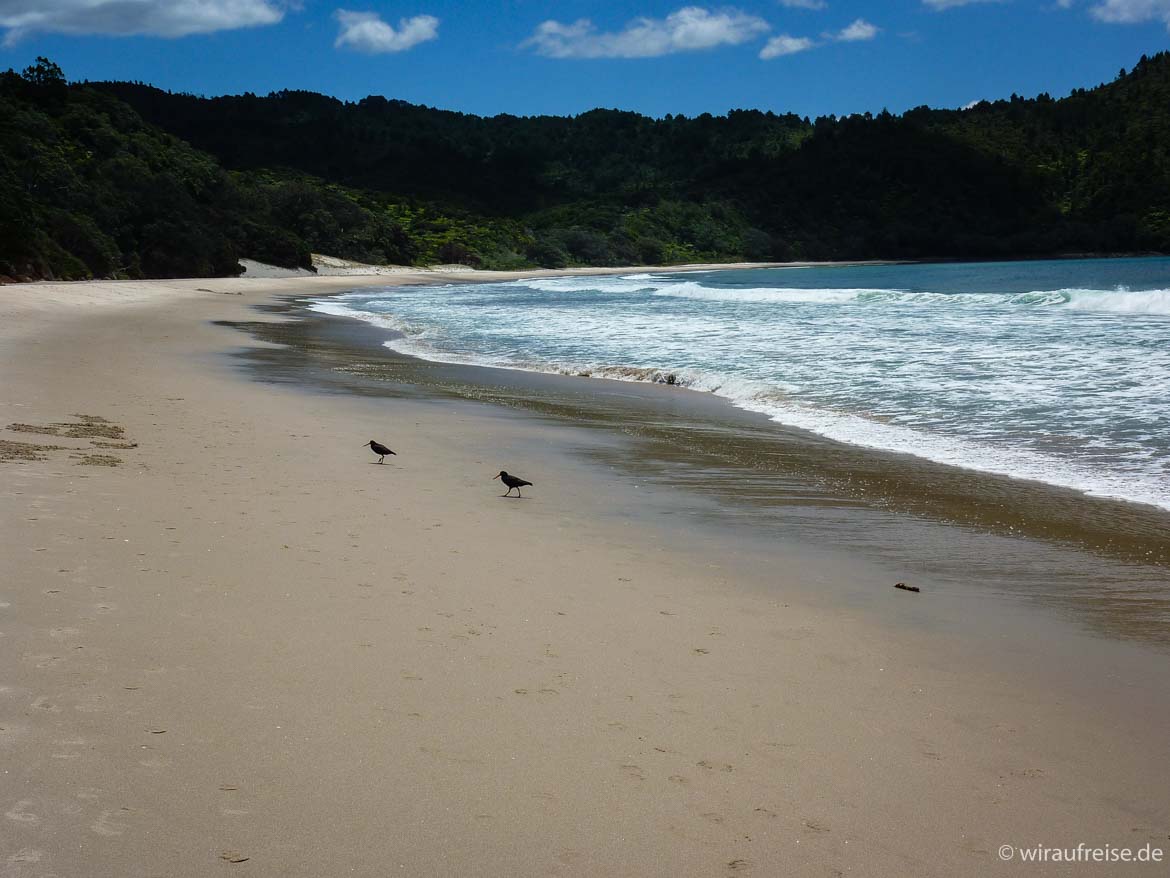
x=906 y=587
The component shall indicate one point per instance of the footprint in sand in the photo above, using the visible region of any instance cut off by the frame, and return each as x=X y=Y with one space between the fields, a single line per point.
x=20 y=813
x=9 y=733
x=106 y=825
x=23 y=857
x=43 y=703
x=739 y=865
x=712 y=766
x=814 y=826
x=678 y=778
x=44 y=661
x=68 y=742
x=634 y=771
x=712 y=817
x=91 y=704
x=1030 y=773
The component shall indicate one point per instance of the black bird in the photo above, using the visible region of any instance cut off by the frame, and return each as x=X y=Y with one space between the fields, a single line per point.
x=512 y=482
x=379 y=449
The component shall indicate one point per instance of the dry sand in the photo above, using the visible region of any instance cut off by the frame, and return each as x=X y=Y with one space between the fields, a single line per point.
x=231 y=644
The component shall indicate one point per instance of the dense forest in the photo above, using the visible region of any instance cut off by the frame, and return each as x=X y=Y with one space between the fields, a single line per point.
x=116 y=179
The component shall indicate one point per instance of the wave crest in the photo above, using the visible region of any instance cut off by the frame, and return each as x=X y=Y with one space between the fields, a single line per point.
x=1117 y=301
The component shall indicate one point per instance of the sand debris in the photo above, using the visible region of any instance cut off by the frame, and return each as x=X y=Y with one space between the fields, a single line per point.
x=85 y=427
x=25 y=450
x=101 y=433
x=35 y=428
x=98 y=460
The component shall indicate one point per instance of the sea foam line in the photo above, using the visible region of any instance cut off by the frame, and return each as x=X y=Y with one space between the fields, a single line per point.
x=1120 y=300
x=759 y=397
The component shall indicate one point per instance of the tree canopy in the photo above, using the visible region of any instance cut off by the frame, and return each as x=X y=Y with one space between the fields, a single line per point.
x=117 y=179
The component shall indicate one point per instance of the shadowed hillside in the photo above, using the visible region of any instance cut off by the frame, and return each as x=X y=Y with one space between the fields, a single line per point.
x=123 y=178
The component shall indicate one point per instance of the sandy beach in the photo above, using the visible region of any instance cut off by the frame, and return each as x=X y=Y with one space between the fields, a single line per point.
x=232 y=643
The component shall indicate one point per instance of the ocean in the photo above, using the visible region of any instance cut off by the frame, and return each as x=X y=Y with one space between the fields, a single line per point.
x=1052 y=371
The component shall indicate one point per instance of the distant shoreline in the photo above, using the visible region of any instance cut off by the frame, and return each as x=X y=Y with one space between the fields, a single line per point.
x=333 y=267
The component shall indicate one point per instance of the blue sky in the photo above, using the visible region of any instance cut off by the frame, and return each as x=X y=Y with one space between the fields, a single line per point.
x=812 y=57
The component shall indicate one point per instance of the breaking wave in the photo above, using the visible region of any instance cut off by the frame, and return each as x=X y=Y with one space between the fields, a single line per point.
x=1008 y=382
x=1120 y=301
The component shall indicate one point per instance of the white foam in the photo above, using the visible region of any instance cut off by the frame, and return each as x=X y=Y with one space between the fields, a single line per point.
x=1120 y=301
x=1064 y=385
x=757 y=396
x=631 y=283
x=692 y=290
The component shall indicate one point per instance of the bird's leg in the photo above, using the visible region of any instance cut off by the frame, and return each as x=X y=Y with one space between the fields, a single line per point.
x=382 y=459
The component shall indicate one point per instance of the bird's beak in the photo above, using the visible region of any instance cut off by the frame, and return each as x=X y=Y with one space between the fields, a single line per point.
x=496 y=476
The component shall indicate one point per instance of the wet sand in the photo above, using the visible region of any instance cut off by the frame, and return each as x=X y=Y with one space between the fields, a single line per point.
x=234 y=643
x=1102 y=562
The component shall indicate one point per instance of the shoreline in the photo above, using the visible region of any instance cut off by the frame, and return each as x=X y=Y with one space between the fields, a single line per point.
x=668 y=380
x=364 y=274
x=243 y=631
x=335 y=268
x=1053 y=547
x=1067 y=484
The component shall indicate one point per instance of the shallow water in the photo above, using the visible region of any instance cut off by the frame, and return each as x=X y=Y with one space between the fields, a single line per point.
x=1057 y=371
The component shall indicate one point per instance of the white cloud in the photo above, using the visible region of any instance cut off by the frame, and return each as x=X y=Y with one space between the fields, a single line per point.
x=689 y=29
x=785 y=45
x=366 y=32
x=160 y=18
x=859 y=30
x=804 y=4
x=1132 y=11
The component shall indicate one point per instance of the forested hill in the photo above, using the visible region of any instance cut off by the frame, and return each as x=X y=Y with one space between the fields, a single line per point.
x=117 y=178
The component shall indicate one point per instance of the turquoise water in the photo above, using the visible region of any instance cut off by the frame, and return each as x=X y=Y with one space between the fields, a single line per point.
x=1057 y=371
